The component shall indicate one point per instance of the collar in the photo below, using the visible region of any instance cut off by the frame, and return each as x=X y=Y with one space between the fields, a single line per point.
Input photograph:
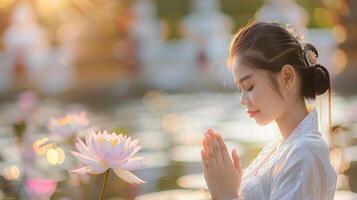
x=308 y=125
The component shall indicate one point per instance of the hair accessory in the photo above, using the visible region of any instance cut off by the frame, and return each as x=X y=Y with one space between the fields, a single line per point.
x=309 y=54
x=311 y=57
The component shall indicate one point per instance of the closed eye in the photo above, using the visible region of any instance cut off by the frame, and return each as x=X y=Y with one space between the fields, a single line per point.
x=251 y=88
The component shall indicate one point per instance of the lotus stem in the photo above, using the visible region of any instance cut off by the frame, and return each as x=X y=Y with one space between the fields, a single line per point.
x=104 y=184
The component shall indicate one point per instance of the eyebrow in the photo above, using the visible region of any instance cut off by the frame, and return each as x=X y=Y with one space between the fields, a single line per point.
x=244 y=78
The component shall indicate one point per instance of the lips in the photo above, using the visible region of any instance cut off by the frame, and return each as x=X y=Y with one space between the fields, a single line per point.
x=252 y=113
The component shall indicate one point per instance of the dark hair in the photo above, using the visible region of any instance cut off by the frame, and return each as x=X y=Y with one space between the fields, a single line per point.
x=269 y=46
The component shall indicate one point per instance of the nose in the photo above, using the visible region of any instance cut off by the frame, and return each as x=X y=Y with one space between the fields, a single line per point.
x=244 y=101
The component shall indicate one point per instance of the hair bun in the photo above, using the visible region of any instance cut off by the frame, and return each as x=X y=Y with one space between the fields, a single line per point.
x=321 y=79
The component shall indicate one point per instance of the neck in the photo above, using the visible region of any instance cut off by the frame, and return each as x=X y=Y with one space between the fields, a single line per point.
x=289 y=120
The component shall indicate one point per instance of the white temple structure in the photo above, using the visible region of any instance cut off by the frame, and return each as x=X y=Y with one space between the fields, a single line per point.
x=26 y=42
x=29 y=55
x=207 y=33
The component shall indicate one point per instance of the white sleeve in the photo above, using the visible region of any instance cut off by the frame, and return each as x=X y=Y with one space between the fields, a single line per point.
x=298 y=177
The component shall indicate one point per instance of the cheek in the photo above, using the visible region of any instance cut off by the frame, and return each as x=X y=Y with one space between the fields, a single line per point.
x=270 y=103
x=262 y=96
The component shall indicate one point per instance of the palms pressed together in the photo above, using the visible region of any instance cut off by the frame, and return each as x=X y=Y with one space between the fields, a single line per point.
x=222 y=174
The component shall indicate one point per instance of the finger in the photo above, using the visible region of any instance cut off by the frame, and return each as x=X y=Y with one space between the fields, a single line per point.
x=237 y=161
x=217 y=150
x=207 y=149
x=204 y=159
x=205 y=164
x=204 y=143
x=205 y=174
x=223 y=147
x=211 y=155
x=210 y=132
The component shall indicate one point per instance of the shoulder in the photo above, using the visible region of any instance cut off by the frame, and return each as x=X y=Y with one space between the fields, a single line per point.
x=310 y=146
x=310 y=155
x=311 y=141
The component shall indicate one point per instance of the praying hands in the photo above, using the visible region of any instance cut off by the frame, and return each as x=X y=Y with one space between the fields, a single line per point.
x=222 y=174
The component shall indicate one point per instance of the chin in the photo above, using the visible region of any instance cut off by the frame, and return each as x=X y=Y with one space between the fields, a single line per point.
x=262 y=121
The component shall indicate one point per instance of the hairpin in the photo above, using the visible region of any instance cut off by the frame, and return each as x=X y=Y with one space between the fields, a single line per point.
x=310 y=54
x=311 y=57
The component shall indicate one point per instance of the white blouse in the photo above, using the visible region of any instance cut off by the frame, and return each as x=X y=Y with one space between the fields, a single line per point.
x=294 y=169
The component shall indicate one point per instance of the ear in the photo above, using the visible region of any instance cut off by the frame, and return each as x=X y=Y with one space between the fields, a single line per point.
x=288 y=77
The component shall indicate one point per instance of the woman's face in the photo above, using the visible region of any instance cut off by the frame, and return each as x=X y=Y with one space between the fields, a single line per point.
x=258 y=94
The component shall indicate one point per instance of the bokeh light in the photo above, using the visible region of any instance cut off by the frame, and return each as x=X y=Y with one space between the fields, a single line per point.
x=155 y=101
x=324 y=17
x=171 y=123
x=52 y=157
x=55 y=156
x=12 y=173
x=39 y=147
x=339 y=60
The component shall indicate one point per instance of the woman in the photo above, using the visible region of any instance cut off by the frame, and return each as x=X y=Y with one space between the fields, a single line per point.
x=276 y=72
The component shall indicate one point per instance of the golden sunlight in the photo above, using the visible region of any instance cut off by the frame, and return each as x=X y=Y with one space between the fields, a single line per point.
x=6 y=3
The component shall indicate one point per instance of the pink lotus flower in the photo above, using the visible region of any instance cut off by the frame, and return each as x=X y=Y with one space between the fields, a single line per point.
x=102 y=151
x=69 y=125
x=41 y=188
